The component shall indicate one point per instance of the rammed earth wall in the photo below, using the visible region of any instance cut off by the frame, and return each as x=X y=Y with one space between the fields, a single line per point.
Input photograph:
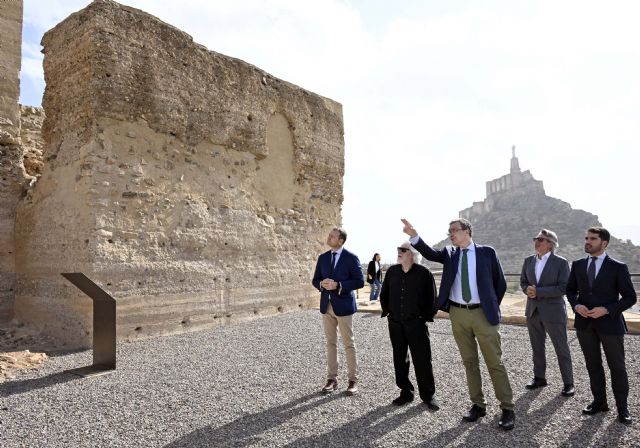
x=192 y=186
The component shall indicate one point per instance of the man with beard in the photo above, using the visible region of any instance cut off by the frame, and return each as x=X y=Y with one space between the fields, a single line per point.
x=599 y=290
x=471 y=290
x=408 y=302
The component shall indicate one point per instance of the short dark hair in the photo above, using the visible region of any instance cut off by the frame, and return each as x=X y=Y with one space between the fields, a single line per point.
x=342 y=234
x=464 y=224
x=601 y=231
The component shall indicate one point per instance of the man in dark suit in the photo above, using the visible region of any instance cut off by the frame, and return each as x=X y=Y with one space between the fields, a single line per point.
x=471 y=290
x=544 y=280
x=599 y=290
x=338 y=274
x=408 y=302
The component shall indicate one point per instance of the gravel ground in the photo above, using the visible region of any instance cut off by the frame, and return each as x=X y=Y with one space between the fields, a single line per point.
x=256 y=384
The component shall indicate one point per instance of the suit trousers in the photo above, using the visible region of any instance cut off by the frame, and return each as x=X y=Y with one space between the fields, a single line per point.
x=412 y=336
x=557 y=331
x=470 y=330
x=332 y=324
x=613 y=344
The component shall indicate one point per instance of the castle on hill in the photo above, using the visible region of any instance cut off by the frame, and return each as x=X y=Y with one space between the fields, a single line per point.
x=516 y=207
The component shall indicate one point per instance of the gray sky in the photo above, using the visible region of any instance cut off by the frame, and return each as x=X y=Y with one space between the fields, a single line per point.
x=434 y=95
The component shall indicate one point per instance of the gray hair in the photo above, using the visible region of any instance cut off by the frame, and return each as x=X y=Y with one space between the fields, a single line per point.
x=417 y=258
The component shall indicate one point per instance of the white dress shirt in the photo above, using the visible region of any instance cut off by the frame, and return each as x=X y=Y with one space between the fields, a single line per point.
x=540 y=264
x=599 y=261
x=456 y=289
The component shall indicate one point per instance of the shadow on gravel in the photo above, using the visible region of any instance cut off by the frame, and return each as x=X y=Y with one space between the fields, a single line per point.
x=19 y=387
x=246 y=430
x=593 y=425
x=366 y=429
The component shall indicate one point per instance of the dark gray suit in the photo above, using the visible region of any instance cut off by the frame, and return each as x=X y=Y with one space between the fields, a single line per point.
x=547 y=314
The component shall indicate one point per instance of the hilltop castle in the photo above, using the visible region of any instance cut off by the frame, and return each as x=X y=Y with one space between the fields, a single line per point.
x=516 y=207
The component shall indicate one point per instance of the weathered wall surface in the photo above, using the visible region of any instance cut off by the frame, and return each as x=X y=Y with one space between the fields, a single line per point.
x=192 y=186
x=11 y=173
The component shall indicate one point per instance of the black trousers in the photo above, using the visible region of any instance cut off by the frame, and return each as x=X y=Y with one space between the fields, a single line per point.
x=613 y=345
x=414 y=336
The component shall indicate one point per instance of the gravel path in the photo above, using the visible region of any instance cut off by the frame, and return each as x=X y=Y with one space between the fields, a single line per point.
x=256 y=384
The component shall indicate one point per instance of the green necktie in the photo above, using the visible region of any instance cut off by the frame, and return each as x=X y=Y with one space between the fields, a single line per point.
x=466 y=290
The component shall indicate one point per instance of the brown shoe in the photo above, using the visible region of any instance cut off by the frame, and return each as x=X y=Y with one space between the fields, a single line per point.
x=352 y=389
x=331 y=385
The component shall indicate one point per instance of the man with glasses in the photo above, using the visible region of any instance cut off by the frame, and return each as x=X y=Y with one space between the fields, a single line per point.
x=471 y=290
x=599 y=290
x=408 y=302
x=338 y=274
x=544 y=280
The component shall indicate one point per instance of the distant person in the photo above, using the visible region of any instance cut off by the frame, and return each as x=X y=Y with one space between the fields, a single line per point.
x=599 y=290
x=408 y=302
x=544 y=280
x=338 y=274
x=473 y=304
x=374 y=277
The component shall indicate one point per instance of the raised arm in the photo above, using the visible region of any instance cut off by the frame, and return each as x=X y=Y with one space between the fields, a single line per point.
x=425 y=250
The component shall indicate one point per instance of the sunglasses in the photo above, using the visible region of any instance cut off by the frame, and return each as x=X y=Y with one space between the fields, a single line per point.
x=540 y=239
x=403 y=249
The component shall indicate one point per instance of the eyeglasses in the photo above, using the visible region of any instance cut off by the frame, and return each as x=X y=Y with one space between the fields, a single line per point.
x=540 y=239
x=403 y=249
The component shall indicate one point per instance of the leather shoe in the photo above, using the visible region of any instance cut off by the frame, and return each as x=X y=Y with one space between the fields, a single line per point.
x=568 y=390
x=474 y=413
x=432 y=404
x=404 y=398
x=331 y=385
x=624 y=417
x=507 y=420
x=352 y=388
x=536 y=383
x=594 y=408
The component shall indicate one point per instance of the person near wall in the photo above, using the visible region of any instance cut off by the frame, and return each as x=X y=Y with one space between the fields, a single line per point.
x=337 y=276
x=544 y=279
x=599 y=290
x=471 y=290
x=374 y=277
x=408 y=302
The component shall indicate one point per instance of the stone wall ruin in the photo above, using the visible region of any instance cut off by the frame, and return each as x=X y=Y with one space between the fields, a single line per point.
x=192 y=186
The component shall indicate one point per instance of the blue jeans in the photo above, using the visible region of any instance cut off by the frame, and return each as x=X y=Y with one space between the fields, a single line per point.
x=375 y=289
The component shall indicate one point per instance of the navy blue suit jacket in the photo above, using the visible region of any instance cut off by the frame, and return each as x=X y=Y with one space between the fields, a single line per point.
x=348 y=273
x=611 y=289
x=489 y=276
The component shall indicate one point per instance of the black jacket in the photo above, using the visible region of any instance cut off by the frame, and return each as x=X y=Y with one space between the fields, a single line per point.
x=408 y=295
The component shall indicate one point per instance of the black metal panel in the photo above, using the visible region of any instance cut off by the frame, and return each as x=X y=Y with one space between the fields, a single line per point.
x=104 y=326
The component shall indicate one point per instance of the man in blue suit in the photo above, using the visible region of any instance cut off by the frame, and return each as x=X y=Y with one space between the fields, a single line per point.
x=599 y=290
x=471 y=290
x=338 y=274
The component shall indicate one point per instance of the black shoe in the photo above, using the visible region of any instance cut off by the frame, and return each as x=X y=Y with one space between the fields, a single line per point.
x=624 y=417
x=432 y=404
x=474 y=413
x=404 y=398
x=507 y=420
x=329 y=387
x=594 y=408
x=536 y=383
x=352 y=388
x=568 y=390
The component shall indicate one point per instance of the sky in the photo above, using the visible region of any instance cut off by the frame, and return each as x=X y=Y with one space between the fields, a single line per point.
x=435 y=94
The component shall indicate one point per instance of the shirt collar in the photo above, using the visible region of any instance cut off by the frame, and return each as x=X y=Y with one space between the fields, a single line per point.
x=544 y=257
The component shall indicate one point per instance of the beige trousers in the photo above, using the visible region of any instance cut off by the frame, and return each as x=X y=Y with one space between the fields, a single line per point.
x=332 y=324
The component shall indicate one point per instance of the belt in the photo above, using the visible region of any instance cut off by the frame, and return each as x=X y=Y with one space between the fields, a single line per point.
x=473 y=306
